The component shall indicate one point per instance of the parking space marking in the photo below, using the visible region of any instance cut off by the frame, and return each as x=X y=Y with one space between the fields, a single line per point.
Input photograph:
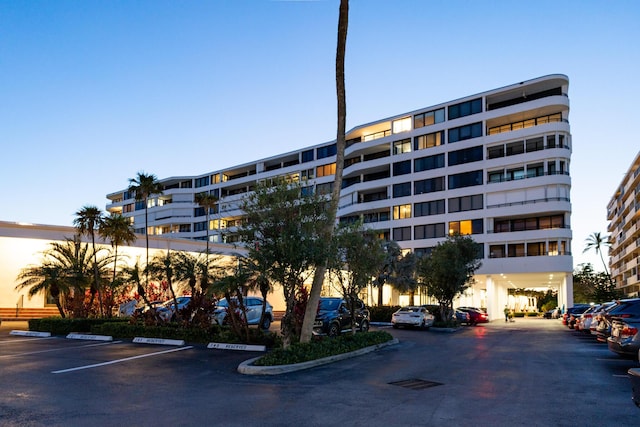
x=111 y=362
x=58 y=349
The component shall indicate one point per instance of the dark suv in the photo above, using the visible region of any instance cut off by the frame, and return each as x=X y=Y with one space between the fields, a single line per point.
x=334 y=317
x=624 y=338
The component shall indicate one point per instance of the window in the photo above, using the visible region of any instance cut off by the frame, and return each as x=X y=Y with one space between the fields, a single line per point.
x=535 y=249
x=307 y=174
x=402 y=125
x=427 y=141
x=184 y=228
x=515 y=250
x=466 y=227
x=434 y=207
x=326 y=188
x=530 y=223
x=514 y=148
x=428 y=118
x=515 y=173
x=465 y=108
x=402 y=211
x=534 y=170
x=326 y=170
x=466 y=203
x=465 y=132
x=428 y=163
x=376 y=135
x=526 y=123
x=402 y=146
x=201 y=182
x=495 y=176
x=198 y=212
x=307 y=156
x=496 y=251
x=535 y=144
x=402 y=168
x=200 y=226
x=429 y=231
x=428 y=185
x=495 y=152
x=401 y=190
x=468 y=155
x=329 y=150
x=466 y=179
x=402 y=233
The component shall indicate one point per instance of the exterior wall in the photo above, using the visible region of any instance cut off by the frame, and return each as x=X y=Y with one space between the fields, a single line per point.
x=623 y=213
x=494 y=164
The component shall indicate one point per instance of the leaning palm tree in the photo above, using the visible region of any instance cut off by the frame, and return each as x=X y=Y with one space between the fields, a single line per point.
x=597 y=242
x=118 y=230
x=87 y=220
x=328 y=232
x=48 y=278
x=144 y=186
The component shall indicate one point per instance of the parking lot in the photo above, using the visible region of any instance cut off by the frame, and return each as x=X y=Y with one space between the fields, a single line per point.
x=531 y=372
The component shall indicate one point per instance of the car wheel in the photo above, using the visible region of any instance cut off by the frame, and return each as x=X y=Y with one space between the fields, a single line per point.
x=334 y=330
x=266 y=323
x=364 y=326
x=394 y=326
x=423 y=325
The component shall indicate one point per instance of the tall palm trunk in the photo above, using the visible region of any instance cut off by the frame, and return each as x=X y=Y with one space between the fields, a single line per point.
x=318 y=278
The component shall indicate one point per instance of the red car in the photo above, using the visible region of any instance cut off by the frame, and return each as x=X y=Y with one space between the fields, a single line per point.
x=475 y=315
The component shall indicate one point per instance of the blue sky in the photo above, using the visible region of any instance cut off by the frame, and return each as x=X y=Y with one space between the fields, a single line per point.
x=92 y=92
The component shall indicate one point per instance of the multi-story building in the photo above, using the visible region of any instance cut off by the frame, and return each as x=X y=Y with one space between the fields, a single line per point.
x=493 y=165
x=623 y=214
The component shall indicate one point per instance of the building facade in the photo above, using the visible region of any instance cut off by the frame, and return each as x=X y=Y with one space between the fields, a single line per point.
x=623 y=214
x=494 y=165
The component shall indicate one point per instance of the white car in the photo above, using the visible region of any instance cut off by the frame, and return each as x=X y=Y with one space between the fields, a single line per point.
x=167 y=311
x=253 y=307
x=412 y=316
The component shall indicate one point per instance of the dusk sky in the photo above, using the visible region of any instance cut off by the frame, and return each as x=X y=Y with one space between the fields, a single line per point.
x=91 y=92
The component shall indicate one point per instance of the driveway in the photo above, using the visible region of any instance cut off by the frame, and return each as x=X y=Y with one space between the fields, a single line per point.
x=528 y=373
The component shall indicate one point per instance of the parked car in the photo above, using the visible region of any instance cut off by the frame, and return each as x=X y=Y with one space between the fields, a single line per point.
x=569 y=317
x=253 y=312
x=624 y=338
x=462 y=317
x=412 y=316
x=476 y=315
x=622 y=309
x=583 y=321
x=167 y=310
x=554 y=313
x=334 y=317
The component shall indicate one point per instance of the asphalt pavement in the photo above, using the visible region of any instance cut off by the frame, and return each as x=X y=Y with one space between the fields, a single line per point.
x=532 y=372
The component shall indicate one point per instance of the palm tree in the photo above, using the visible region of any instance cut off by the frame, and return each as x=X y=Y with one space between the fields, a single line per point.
x=163 y=267
x=47 y=278
x=318 y=278
x=596 y=241
x=209 y=202
x=118 y=230
x=132 y=275
x=144 y=186
x=87 y=220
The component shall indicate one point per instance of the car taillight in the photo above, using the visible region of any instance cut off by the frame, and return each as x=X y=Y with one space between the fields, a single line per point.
x=588 y=316
x=628 y=331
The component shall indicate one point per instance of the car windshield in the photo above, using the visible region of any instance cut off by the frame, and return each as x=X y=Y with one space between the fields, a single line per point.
x=410 y=309
x=329 y=304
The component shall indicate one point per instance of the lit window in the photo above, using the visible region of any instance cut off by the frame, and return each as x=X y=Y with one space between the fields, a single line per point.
x=402 y=211
x=326 y=170
x=402 y=125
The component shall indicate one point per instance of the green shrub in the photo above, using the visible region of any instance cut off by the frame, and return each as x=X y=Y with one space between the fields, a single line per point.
x=382 y=313
x=60 y=326
x=325 y=347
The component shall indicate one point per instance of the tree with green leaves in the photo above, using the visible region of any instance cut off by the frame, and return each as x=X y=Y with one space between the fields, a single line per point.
x=209 y=202
x=590 y=286
x=328 y=231
x=448 y=270
x=388 y=267
x=143 y=186
x=117 y=229
x=47 y=278
x=87 y=221
x=132 y=275
x=353 y=263
x=282 y=232
x=597 y=242
x=403 y=277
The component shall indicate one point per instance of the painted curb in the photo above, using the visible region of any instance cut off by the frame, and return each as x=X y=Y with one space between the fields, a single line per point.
x=90 y=337
x=30 y=333
x=159 y=341
x=239 y=347
x=247 y=368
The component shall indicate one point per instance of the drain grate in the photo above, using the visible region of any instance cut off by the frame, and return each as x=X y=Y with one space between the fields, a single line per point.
x=415 y=384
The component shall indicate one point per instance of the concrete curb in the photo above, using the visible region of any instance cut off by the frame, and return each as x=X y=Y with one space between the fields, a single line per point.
x=247 y=368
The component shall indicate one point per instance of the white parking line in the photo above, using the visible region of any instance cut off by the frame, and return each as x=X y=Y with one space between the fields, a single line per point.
x=111 y=362
x=58 y=349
